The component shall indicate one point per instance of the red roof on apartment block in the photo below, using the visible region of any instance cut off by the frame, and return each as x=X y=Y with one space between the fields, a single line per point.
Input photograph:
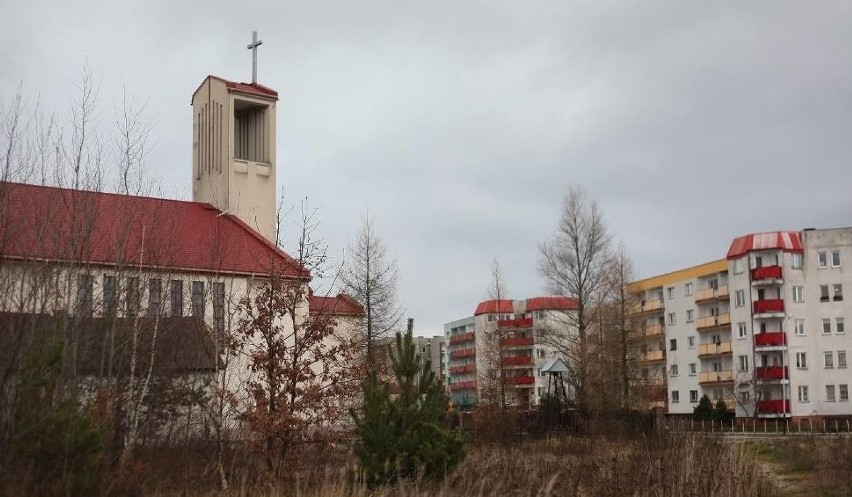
x=552 y=304
x=342 y=305
x=789 y=241
x=490 y=307
x=65 y=225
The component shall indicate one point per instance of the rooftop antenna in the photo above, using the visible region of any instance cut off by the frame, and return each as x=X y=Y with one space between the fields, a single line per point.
x=253 y=47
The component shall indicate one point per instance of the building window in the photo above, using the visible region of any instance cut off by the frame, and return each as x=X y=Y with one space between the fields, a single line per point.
x=844 y=392
x=801 y=360
x=176 y=295
x=743 y=363
x=541 y=353
x=198 y=298
x=110 y=296
x=739 y=298
x=799 y=328
x=803 y=393
x=250 y=132
x=829 y=393
x=687 y=289
x=84 y=295
x=841 y=359
x=131 y=296
x=838 y=325
x=693 y=396
x=742 y=330
x=693 y=369
x=826 y=326
x=673 y=344
x=823 y=293
x=155 y=296
x=798 y=294
x=670 y=292
x=829 y=360
x=835 y=258
x=673 y=370
x=671 y=320
x=838 y=292
x=738 y=266
x=219 y=306
x=796 y=261
x=822 y=259
x=675 y=397
x=690 y=342
x=690 y=315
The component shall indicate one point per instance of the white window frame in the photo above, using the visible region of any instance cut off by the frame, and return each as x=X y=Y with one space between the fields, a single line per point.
x=671 y=319
x=835 y=253
x=690 y=315
x=799 y=327
x=822 y=260
x=798 y=294
x=826 y=326
x=843 y=391
x=828 y=360
x=830 y=393
x=743 y=363
x=837 y=291
x=687 y=289
x=796 y=261
x=738 y=266
x=841 y=359
x=739 y=298
x=742 y=330
x=803 y=393
x=675 y=397
x=839 y=326
x=802 y=360
x=690 y=342
x=693 y=396
x=670 y=292
x=674 y=370
x=693 y=369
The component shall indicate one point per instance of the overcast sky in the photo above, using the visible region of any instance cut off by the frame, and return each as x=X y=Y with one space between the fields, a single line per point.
x=461 y=124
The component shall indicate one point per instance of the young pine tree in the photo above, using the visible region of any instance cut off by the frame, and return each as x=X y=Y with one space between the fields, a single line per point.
x=403 y=436
x=704 y=410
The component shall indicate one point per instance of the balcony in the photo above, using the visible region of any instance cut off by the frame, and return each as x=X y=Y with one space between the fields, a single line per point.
x=467 y=368
x=520 y=380
x=709 y=322
x=517 y=342
x=767 y=275
x=651 y=306
x=461 y=338
x=458 y=354
x=711 y=349
x=715 y=377
x=776 y=406
x=518 y=360
x=712 y=294
x=463 y=385
x=655 y=355
x=772 y=373
x=777 y=339
x=515 y=323
x=768 y=308
x=655 y=330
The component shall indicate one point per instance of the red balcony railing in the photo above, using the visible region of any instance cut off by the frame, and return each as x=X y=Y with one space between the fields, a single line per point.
x=520 y=380
x=463 y=385
x=517 y=360
x=769 y=305
x=777 y=406
x=461 y=337
x=467 y=368
x=766 y=273
x=517 y=342
x=772 y=373
x=515 y=323
x=770 y=339
x=458 y=354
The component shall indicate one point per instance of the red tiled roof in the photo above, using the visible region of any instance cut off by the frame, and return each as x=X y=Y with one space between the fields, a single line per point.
x=253 y=88
x=490 y=307
x=789 y=241
x=342 y=305
x=59 y=224
x=551 y=304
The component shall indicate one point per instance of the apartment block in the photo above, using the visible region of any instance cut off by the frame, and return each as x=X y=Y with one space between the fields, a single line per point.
x=763 y=329
x=508 y=341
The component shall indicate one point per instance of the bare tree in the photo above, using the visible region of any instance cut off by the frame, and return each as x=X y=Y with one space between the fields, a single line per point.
x=370 y=278
x=492 y=378
x=574 y=263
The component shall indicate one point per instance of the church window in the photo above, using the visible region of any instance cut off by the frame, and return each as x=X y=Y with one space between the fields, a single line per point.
x=198 y=298
x=176 y=294
x=84 y=295
x=131 y=296
x=110 y=295
x=251 y=140
x=155 y=296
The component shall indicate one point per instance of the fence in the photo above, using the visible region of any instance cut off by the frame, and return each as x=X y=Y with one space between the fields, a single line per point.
x=763 y=425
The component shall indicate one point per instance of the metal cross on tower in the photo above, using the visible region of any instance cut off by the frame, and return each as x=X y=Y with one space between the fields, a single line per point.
x=253 y=47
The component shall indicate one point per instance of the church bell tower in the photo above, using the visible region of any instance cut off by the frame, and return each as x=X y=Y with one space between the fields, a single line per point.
x=233 y=148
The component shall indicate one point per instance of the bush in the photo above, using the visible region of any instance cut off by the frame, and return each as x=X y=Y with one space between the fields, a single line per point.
x=406 y=435
x=704 y=410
